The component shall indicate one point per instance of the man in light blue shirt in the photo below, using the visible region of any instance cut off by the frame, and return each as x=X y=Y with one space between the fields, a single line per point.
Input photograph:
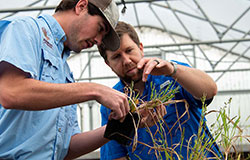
x=38 y=94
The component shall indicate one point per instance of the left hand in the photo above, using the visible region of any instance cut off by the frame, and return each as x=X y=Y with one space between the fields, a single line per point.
x=154 y=66
x=149 y=117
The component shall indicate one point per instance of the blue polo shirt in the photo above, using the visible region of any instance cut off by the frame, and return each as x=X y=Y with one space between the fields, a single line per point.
x=36 y=47
x=187 y=125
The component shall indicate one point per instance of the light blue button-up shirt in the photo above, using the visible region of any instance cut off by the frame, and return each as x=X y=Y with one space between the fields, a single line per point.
x=36 y=46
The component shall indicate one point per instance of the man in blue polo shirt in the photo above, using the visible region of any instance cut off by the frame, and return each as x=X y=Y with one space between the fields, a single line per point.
x=181 y=125
x=38 y=118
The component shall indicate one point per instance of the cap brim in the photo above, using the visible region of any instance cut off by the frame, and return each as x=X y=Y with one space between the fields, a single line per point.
x=111 y=40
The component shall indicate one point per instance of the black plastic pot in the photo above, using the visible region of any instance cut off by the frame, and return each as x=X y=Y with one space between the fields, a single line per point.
x=118 y=131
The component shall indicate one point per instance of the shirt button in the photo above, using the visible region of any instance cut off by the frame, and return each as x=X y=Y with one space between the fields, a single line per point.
x=59 y=129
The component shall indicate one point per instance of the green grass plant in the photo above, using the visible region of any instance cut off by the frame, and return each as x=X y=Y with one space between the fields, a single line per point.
x=226 y=131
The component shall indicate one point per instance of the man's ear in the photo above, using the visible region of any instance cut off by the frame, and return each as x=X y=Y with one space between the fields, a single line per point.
x=141 y=48
x=81 y=6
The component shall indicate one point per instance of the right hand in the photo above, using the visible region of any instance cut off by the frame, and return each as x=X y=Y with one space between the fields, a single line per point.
x=114 y=100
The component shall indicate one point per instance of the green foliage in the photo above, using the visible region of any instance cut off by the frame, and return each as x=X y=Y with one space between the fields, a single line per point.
x=225 y=130
x=229 y=132
x=157 y=98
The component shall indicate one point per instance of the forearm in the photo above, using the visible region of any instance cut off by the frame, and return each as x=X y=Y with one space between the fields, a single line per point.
x=196 y=82
x=83 y=143
x=30 y=94
x=193 y=80
x=20 y=92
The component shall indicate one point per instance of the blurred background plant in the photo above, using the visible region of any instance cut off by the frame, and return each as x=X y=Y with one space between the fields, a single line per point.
x=229 y=133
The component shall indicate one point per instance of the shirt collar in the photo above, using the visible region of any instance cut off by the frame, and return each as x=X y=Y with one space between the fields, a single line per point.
x=55 y=27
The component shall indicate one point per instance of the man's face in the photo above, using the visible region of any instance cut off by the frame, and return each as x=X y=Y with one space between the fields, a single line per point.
x=86 y=31
x=124 y=61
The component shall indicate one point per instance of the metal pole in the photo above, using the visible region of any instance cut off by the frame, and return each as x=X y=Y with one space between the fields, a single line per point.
x=90 y=104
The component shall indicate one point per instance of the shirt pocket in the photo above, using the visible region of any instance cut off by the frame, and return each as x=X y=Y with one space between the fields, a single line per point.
x=50 y=69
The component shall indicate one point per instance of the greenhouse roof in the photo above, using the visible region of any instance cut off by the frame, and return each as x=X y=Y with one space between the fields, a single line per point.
x=194 y=24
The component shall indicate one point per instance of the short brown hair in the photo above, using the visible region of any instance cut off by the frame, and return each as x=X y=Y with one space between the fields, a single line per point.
x=70 y=4
x=121 y=29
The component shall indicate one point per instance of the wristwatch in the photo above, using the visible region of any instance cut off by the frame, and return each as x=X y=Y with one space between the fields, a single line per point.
x=174 y=64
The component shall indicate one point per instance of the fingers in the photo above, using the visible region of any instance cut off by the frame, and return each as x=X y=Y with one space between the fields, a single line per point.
x=142 y=62
x=149 y=117
x=124 y=108
x=157 y=61
x=164 y=110
x=122 y=119
x=148 y=64
x=161 y=110
x=120 y=109
x=150 y=120
x=114 y=100
x=152 y=63
x=117 y=115
x=113 y=115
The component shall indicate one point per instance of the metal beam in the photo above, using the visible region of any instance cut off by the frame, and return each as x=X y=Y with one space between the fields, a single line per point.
x=51 y=7
x=227 y=70
x=24 y=9
x=240 y=91
x=199 y=43
x=197 y=17
x=197 y=40
x=186 y=44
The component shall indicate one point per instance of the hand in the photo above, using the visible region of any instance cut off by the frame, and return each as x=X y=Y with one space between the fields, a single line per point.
x=114 y=100
x=149 y=117
x=154 y=66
